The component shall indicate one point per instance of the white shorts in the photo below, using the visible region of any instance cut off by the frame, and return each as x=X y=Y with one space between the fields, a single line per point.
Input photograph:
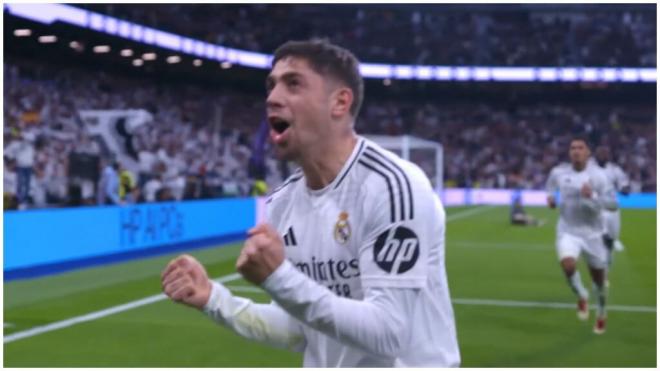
x=593 y=248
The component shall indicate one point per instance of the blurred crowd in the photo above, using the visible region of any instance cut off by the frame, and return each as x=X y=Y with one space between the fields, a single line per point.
x=563 y=35
x=200 y=143
x=504 y=147
x=197 y=145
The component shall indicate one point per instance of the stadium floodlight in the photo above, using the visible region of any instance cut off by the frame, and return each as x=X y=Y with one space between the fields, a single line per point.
x=197 y=62
x=547 y=74
x=569 y=74
x=47 y=39
x=126 y=53
x=481 y=74
x=225 y=65
x=22 y=32
x=76 y=45
x=138 y=62
x=463 y=73
x=173 y=59
x=648 y=75
x=629 y=74
x=149 y=56
x=610 y=74
x=424 y=72
x=376 y=70
x=111 y=25
x=443 y=73
x=403 y=72
x=101 y=49
x=589 y=74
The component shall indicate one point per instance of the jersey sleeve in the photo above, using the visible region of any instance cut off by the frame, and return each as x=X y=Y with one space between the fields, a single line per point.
x=265 y=323
x=603 y=196
x=402 y=225
x=622 y=179
x=552 y=183
x=377 y=324
x=605 y=193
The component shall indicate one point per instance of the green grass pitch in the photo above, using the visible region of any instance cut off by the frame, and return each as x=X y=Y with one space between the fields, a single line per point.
x=487 y=259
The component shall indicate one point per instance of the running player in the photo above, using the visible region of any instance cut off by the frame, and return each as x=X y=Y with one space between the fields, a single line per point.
x=584 y=193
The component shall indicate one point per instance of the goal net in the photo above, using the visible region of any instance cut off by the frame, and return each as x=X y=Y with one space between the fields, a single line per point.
x=428 y=155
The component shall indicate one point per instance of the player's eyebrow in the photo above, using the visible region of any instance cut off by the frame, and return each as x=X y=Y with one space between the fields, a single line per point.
x=287 y=76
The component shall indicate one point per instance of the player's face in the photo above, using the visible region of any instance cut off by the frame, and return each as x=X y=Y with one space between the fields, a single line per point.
x=602 y=155
x=298 y=108
x=579 y=152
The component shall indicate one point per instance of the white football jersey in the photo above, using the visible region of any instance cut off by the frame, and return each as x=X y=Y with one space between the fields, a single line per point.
x=578 y=215
x=613 y=172
x=377 y=225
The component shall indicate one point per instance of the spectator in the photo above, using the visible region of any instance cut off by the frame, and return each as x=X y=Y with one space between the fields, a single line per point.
x=110 y=184
x=22 y=151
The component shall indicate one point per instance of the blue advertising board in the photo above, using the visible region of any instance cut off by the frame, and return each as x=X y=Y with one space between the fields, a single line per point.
x=45 y=241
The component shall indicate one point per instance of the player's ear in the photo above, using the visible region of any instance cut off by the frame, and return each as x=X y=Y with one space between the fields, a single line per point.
x=342 y=99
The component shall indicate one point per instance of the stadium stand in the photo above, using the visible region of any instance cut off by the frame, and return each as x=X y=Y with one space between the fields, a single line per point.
x=573 y=35
x=487 y=146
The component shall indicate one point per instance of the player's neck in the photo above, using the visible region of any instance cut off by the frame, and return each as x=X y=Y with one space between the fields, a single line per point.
x=579 y=166
x=321 y=169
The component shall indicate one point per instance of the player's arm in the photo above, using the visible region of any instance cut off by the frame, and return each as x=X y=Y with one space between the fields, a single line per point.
x=599 y=194
x=374 y=324
x=266 y=323
x=185 y=280
x=551 y=187
x=623 y=182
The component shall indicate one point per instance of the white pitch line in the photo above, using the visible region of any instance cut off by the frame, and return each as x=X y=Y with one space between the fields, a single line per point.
x=502 y=245
x=469 y=212
x=252 y=289
x=98 y=314
x=501 y=303
x=540 y=304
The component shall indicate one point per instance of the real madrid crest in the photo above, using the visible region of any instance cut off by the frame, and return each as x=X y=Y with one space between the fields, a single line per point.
x=342 y=228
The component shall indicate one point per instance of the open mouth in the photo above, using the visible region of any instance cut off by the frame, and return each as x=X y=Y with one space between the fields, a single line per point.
x=279 y=125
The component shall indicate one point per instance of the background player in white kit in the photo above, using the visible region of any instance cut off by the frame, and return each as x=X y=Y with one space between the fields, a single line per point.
x=620 y=182
x=584 y=193
x=358 y=278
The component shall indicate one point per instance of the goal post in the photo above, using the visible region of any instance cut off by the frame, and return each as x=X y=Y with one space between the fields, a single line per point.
x=427 y=154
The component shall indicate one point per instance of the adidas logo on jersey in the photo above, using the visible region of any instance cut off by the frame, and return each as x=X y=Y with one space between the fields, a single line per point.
x=396 y=250
x=290 y=238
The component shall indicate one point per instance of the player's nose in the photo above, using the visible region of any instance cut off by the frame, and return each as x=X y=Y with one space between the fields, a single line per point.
x=275 y=100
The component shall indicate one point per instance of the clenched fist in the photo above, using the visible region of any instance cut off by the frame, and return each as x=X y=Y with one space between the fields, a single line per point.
x=586 y=191
x=262 y=253
x=184 y=280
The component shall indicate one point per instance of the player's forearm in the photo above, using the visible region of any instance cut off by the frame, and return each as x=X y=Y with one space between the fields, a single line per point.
x=264 y=323
x=609 y=201
x=373 y=325
x=599 y=202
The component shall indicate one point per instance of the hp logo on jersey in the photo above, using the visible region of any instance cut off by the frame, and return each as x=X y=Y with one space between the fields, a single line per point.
x=396 y=250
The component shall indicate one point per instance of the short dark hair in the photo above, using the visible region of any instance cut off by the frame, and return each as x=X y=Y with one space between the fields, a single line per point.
x=328 y=59
x=581 y=138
